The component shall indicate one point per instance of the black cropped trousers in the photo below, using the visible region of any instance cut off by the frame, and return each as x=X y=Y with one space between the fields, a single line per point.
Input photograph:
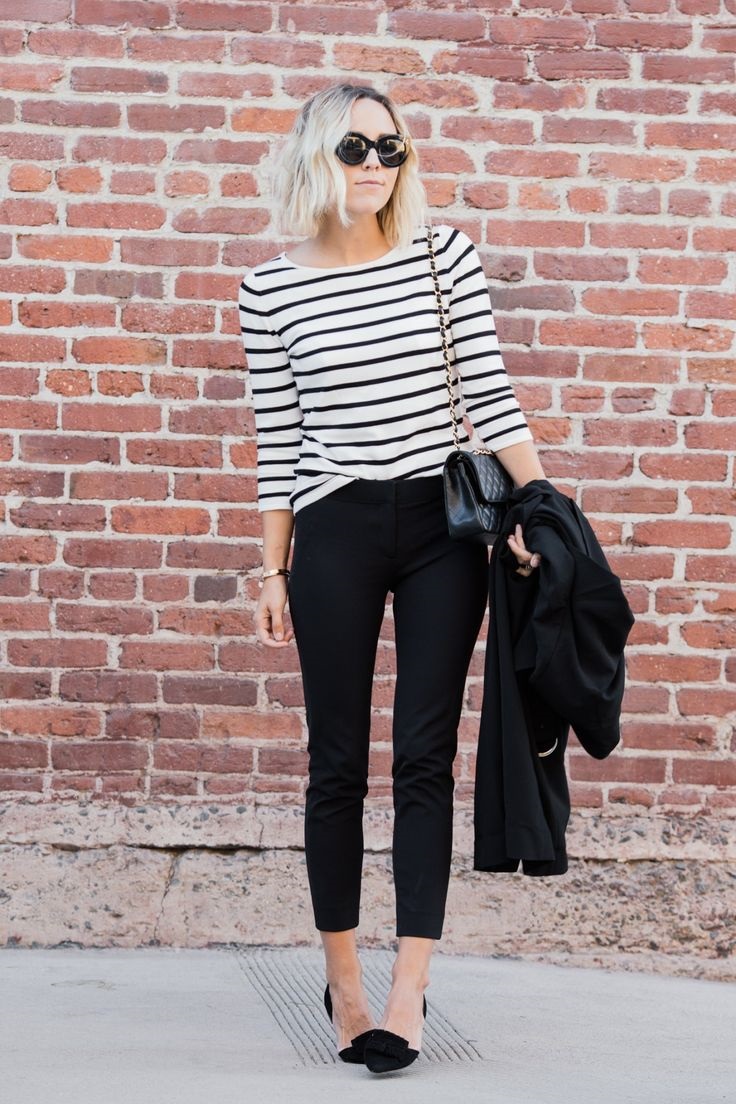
x=351 y=548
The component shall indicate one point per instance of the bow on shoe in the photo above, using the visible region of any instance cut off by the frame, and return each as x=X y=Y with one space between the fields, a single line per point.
x=388 y=1042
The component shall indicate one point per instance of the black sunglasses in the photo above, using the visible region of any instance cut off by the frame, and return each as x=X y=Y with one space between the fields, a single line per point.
x=392 y=149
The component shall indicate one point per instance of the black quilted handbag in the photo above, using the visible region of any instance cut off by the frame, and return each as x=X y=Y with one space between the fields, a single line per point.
x=477 y=486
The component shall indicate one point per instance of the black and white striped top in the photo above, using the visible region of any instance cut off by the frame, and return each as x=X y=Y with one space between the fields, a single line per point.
x=346 y=371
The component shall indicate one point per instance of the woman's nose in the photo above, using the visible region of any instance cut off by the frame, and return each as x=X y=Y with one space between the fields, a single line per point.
x=371 y=158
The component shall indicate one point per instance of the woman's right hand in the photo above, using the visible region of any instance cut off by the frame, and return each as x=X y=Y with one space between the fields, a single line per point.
x=269 y=613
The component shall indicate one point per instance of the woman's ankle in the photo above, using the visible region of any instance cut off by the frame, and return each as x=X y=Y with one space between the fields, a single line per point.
x=410 y=979
x=345 y=977
x=343 y=967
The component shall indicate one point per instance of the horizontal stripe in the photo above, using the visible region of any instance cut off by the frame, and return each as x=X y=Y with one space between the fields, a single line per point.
x=347 y=377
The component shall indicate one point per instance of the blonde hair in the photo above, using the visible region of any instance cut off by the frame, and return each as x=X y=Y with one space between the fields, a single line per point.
x=307 y=178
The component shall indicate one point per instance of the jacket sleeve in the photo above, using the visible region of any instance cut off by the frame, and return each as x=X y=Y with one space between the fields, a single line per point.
x=278 y=415
x=489 y=399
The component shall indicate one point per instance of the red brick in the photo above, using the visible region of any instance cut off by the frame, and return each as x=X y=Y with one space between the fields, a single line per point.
x=636 y=500
x=20 y=754
x=215 y=690
x=710 y=635
x=50 y=720
x=687 y=401
x=705 y=772
x=209 y=16
x=685 y=337
x=288 y=761
x=635 y=768
x=65 y=517
x=286 y=51
x=118 y=417
x=710 y=304
x=668 y=735
x=669 y=466
x=117 y=13
x=689 y=203
x=175 y=117
x=116 y=216
x=679 y=69
x=679 y=796
x=645 y=699
x=495 y=63
x=630 y=367
x=705 y=702
x=674 y=600
x=718 y=569
x=582 y=64
x=531 y=163
x=101 y=756
x=112 y=621
x=634 y=166
x=691 y=135
x=28 y=685
x=719 y=436
x=359 y=57
x=70 y=114
x=202 y=758
x=17 y=380
x=594 y=131
x=712 y=500
x=326 y=19
x=58 y=652
x=671 y=668
x=631 y=795
x=640 y=101
x=647 y=431
x=638 y=301
x=682 y=534
x=582 y=796
x=632 y=34
x=442 y=25
x=28 y=550
x=633 y=400
x=502 y=131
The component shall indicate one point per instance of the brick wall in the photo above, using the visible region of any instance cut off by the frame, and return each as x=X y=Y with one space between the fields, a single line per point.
x=588 y=149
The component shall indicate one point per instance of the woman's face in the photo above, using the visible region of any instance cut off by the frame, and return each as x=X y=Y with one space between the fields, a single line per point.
x=373 y=120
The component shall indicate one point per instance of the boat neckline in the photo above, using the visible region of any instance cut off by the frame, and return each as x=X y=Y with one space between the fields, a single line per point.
x=339 y=268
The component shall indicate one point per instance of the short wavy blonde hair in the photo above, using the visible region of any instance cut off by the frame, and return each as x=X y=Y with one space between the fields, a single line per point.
x=307 y=178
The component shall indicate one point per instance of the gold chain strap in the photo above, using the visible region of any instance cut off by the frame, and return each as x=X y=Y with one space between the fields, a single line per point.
x=445 y=348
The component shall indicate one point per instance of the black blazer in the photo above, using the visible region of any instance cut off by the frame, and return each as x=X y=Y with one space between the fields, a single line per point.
x=554 y=660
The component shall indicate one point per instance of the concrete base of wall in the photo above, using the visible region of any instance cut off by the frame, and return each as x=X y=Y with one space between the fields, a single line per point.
x=654 y=894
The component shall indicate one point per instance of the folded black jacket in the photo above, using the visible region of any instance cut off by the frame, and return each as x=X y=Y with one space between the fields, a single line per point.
x=554 y=660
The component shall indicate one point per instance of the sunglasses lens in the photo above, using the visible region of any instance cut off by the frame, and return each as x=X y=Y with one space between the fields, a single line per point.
x=392 y=151
x=352 y=150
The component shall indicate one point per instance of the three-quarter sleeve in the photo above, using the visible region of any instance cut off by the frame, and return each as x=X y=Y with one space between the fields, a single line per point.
x=278 y=415
x=489 y=399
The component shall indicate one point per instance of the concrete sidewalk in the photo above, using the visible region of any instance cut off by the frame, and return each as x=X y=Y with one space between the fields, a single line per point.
x=168 y=1026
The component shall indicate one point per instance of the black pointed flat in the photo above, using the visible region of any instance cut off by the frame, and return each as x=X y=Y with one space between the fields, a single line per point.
x=387 y=1051
x=354 y=1052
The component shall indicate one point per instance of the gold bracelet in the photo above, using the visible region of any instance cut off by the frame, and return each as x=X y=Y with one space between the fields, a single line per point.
x=275 y=571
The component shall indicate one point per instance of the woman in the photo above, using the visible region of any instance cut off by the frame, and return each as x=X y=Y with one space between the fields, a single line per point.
x=353 y=427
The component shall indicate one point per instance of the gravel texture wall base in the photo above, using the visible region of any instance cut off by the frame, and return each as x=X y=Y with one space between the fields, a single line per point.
x=166 y=875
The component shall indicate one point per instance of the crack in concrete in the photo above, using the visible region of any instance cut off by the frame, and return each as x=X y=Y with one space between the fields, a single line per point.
x=175 y=857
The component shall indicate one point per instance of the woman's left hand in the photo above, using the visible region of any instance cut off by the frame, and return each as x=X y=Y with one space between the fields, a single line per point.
x=522 y=553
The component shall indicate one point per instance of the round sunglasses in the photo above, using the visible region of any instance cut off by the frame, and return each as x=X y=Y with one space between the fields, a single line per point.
x=392 y=149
